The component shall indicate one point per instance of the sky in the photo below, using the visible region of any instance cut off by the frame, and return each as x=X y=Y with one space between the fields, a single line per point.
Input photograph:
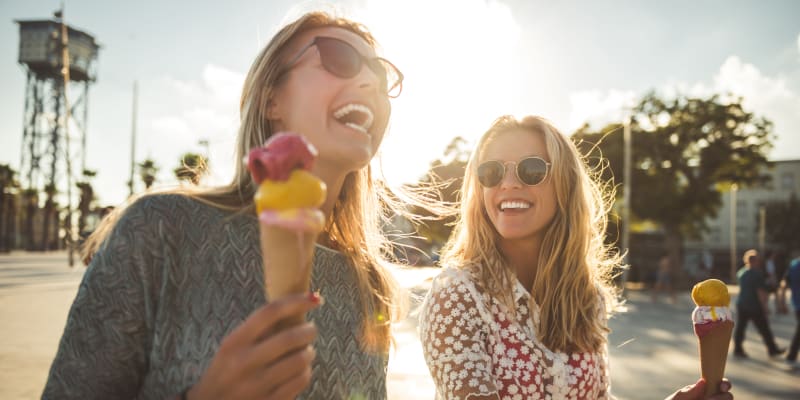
x=466 y=62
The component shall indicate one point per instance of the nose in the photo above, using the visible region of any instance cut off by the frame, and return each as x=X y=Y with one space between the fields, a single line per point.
x=367 y=78
x=510 y=176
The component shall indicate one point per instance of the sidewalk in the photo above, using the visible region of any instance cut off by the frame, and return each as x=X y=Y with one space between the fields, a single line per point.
x=653 y=350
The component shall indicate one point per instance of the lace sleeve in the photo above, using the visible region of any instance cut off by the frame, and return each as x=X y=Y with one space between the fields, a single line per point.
x=454 y=340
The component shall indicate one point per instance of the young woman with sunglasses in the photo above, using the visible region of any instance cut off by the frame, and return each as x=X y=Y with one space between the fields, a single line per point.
x=173 y=301
x=520 y=310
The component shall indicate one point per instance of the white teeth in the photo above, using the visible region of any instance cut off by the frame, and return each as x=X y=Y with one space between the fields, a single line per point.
x=514 y=205
x=356 y=127
x=365 y=117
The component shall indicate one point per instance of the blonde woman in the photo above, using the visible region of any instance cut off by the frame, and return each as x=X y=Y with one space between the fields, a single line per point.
x=172 y=304
x=520 y=310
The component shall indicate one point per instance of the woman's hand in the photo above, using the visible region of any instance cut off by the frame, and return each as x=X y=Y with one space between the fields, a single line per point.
x=257 y=362
x=698 y=390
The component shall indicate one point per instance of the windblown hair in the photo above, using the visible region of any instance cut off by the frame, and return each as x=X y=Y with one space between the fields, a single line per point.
x=355 y=222
x=572 y=287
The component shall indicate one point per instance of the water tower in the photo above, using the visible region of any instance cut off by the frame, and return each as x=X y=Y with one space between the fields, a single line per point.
x=54 y=126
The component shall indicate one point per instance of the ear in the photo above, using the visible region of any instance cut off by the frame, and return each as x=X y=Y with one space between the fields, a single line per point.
x=272 y=110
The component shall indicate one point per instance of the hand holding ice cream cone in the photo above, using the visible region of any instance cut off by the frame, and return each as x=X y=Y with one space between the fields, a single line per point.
x=713 y=325
x=287 y=203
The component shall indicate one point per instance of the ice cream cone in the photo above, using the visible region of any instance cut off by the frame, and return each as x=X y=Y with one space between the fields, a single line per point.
x=288 y=256
x=713 y=355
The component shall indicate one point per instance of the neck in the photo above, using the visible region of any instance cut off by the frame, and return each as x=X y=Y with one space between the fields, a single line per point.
x=334 y=179
x=523 y=257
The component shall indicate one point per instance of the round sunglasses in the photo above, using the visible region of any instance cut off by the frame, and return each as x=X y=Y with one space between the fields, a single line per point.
x=343 y=60
x=530 y=171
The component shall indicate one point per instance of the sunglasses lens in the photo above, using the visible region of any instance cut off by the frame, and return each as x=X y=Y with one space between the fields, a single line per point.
x=342 y=60
x=490 y=173
x=339 y=58
x=532 y=171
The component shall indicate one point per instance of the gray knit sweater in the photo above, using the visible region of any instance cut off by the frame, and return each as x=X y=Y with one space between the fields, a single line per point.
x=173 y=279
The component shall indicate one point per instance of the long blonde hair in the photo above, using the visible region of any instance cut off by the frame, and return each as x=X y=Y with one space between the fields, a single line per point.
x=355 y=222
x=573 y=282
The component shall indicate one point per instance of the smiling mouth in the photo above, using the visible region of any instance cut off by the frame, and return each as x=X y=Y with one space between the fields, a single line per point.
x=514 y=205
x=355 y=116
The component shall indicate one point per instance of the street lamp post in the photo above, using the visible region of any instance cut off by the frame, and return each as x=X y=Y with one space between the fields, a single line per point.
x=733 y=233
x=626 y=198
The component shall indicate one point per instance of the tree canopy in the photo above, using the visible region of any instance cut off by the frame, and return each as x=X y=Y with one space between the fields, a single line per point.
x=686 y=151
x=191 y=168
x=445 y=175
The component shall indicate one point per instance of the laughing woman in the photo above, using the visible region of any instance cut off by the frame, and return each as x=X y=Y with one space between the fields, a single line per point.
x=520 y=310
x=173 y=301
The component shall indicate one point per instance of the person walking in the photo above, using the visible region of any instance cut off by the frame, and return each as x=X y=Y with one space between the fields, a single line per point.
x=791 y=280
x=751 y=304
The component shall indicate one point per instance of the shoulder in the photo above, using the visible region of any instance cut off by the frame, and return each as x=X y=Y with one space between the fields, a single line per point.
x=453 y=278
x=170 y=209
x=455 y=286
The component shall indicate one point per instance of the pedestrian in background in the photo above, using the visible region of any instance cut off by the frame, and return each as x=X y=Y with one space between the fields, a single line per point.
x=751 y=304
x=663 y=279
x=791 y=281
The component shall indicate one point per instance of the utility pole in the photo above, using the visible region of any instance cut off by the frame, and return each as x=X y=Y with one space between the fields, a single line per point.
x=133 y=136
x=762 y=229
x=65 y=75
x=626 y=197
x=733 y=233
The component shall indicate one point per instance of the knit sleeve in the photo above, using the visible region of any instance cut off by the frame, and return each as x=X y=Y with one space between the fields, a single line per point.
x=454 y=340
x=104 y=349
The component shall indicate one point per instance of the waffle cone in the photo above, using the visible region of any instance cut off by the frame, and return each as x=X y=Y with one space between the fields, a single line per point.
x=288 y=256
x=714 y=354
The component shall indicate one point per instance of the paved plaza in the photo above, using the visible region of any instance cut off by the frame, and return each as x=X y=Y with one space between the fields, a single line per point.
x=653 y=350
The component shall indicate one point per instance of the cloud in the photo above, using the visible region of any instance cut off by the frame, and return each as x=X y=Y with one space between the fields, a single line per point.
x=598 y=108
x=771 y=97
x=178 y=113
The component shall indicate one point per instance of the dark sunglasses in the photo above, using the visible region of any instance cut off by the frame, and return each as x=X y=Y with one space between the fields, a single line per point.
x=343 y=60
x=530 y=171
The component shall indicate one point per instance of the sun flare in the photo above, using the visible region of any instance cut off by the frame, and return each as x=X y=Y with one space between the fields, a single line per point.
x=459 y=61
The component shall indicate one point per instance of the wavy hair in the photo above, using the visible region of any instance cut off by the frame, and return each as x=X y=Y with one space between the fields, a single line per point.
x=572 y=288
x=355 y=222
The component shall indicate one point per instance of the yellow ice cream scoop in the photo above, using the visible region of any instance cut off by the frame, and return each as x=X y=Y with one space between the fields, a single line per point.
x=301 y=190
x=711 y=292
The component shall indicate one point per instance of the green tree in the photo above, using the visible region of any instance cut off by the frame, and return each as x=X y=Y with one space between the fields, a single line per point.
x=148 y=171
x=444 y=176
x=783 y=222
x=191 y=168
x=685 y=151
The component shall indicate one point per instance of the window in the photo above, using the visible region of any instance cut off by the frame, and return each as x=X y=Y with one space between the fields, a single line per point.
x=787 y=181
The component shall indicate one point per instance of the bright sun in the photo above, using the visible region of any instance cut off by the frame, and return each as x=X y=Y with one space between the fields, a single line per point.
x=458 y=58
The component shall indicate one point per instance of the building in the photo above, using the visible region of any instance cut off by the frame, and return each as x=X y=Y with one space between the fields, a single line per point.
x=747 y=220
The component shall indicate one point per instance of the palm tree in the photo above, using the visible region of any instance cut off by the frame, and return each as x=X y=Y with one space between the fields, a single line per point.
x=87 y=196
x=192 y=167
x=147 y=171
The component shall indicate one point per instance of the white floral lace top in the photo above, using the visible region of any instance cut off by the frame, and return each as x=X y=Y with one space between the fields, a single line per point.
x=473 y=348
